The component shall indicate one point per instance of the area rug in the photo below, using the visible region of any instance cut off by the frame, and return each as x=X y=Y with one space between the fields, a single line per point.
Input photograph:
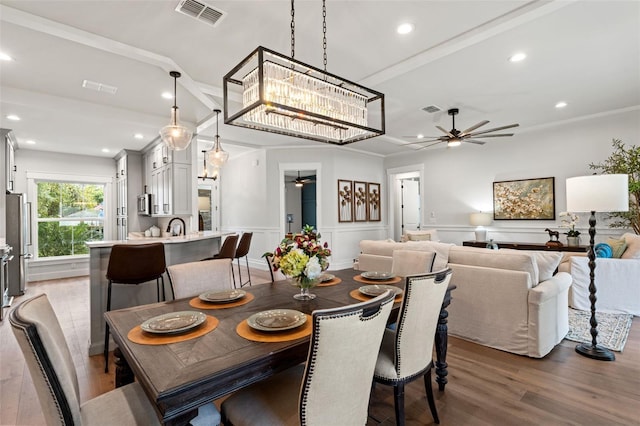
x=613 y=329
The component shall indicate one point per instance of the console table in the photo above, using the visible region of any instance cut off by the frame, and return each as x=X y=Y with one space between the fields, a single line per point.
x=527 y=246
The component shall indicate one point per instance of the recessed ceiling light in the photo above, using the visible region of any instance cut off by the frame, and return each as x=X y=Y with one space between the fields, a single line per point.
x=13 y=117
x=517 y=57
x=105 y=150
x=5 y=57
x=404 y=28
x=167 y=95
x=138 y=136
x=561 y=104
x=30 y=142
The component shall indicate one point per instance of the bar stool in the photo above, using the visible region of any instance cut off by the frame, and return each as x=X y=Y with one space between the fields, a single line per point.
x=242 y=251
x=133 y=264
x=228 y=249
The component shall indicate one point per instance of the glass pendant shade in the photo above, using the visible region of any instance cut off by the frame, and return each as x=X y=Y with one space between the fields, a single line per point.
x=282 y=95
x=218 y=156
x=175 y=136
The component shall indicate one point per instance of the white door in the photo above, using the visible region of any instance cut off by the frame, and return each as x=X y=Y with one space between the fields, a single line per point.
x=410 y=204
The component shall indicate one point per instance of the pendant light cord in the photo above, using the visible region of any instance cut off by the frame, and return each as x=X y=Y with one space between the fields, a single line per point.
x=324 y=35
x=293 y=30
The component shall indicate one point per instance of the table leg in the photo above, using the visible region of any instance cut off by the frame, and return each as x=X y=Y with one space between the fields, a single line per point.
x=124 y=375
x=441 y=341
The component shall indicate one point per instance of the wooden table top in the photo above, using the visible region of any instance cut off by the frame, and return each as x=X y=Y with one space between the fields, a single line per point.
x=179 y=377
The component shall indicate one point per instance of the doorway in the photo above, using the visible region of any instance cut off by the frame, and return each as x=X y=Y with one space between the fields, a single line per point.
x=299 y=197
x=405 y=208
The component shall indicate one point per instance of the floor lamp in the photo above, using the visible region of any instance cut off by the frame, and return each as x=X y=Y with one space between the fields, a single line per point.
x=596 y=193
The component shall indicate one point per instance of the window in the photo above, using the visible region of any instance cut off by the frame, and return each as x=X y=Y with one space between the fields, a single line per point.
x=68 y=215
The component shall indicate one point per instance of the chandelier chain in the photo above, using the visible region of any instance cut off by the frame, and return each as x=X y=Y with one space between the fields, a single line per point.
x=324 y=34
x=293 y=31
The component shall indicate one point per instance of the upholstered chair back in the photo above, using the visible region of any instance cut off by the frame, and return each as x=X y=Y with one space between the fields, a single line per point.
x=411 y=262
x=417 y=321
x=342 y=357
x=244 y=245
x=47 y=355
x=228 y=249
x=193 y=278
x=136 y=263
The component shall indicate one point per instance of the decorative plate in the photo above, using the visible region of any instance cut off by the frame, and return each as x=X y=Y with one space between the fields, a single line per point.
x=378 y=289
x=225 y=296
x=276 y=320
x=174 y=322
x=326 y=277
x=378 y=276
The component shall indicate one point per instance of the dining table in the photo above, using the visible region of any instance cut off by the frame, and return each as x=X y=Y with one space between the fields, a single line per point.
x=182 y=376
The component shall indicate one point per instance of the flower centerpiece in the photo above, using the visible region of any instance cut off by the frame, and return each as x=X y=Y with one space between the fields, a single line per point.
x=570 y=220
x=302 y=258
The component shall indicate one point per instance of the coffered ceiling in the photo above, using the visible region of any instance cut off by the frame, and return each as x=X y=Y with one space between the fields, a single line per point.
x=586 y=53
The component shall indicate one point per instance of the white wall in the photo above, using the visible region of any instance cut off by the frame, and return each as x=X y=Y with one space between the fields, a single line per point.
x=458 y=181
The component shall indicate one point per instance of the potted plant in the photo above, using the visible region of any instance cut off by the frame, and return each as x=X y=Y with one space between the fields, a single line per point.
x=625 y=161
x=573 y=236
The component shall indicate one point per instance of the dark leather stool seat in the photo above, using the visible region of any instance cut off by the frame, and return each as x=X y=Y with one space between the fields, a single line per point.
x=133 y=264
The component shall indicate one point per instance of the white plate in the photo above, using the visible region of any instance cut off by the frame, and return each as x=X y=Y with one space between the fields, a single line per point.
x=174 y=322
x=225 y=296
x=377 y=289
x=378 y=276
x=326 y=277
x=276 y=320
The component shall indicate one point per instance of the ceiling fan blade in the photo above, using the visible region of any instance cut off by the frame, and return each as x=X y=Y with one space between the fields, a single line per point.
x=474 y=141
x=424 y=141
x=424 y=137
x=427 y=146
x=446 y=132
x=493 y=130
x=490 y=136
x=472 y=128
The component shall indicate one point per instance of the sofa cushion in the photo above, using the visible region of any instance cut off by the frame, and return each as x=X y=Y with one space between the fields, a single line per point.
x=384 y=248
x=547 y=262
x=633 y=246
x=618 y=246
x=515 y=260
x=421 y=235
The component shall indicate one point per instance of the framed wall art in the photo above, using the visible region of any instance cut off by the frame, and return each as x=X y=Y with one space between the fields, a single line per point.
x=373 y=202
x=359 y=201
x=524 y=199
x=345 y=201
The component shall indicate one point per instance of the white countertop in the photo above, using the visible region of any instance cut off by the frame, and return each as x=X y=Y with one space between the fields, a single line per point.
x=196 y=236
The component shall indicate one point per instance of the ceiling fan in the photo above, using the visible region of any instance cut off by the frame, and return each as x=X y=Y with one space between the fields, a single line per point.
x=455 y=137
x=300 y=181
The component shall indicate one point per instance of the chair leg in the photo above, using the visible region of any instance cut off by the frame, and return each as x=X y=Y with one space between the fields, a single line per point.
x=106 y=331
x=246 y=258
x=428 y=385
x=398 y=398
x=239 y=272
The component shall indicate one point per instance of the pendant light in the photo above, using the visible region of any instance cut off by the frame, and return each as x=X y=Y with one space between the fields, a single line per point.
x=218 y=156
x=175 y=136
x=205 y=169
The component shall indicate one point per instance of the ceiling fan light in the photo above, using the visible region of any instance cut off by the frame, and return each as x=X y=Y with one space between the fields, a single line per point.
x=453 y=142
x=299 y=184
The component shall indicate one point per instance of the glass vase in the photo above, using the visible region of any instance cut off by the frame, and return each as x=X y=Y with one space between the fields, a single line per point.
x=305 y=284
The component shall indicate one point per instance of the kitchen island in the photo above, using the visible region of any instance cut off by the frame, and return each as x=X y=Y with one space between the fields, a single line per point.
x=180 y=249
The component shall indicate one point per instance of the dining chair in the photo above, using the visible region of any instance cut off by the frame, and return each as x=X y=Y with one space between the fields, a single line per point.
x=193 y=278
x=242 y=251
x=334 y=385
x=274 y=274
x=50 y=364
x=411 y=262
x=133 y=264
x=406 y=353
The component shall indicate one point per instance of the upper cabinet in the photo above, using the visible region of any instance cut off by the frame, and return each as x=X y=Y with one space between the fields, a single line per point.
x=129 y=184
x=8 y=160
x=168 y=179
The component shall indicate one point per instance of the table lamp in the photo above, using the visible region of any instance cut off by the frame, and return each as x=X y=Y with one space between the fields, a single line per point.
x=480 y=220
x=602 y=193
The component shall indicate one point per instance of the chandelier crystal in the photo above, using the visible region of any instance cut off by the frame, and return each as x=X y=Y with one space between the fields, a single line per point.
x=175 y=136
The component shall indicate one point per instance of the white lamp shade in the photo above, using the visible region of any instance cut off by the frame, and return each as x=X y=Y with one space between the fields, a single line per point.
x=599 y=193
x=480 y=219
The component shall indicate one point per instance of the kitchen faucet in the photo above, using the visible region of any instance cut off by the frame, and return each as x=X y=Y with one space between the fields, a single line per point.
x=183 y=229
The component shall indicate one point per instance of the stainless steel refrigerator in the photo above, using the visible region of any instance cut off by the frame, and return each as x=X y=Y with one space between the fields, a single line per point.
x=18 y=237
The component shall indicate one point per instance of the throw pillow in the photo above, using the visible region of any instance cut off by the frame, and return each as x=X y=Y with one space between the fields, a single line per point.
x=547 y=261
x=633 y=246
x=603 y=250
x=618 y=246
x=420 y=237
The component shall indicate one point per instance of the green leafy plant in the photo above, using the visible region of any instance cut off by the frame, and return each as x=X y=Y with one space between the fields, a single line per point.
x=624 y=160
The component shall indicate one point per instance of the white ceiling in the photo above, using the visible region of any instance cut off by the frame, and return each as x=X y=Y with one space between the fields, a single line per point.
x=586 y=53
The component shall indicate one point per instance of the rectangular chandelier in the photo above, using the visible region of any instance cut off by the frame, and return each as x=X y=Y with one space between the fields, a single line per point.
x=285 y=96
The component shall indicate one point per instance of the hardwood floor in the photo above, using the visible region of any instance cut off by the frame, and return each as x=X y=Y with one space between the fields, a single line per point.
x=486 y=386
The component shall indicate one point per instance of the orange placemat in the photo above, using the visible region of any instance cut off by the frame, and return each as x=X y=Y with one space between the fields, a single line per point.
x=330 y=282
x=136 y=335
x=364 y=298
x=393 y=280
x=199 y=304
x=249 y=333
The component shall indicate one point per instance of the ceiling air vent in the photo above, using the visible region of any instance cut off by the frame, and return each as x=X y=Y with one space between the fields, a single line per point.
x=431 y=109
x=200 y=11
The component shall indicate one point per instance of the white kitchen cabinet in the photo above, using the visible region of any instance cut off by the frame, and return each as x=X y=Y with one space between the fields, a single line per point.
x=168 y=178
x=8 y=161
x=128 y=185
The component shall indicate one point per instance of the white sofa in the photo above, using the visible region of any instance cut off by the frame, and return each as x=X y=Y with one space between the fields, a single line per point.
x=505 y=299
x=617 y=280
